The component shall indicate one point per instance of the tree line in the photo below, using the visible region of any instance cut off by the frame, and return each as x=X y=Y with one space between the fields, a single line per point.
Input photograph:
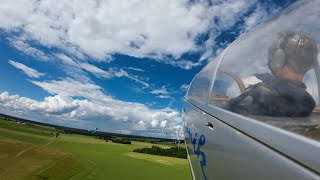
x=177 y=152
x=121 y=141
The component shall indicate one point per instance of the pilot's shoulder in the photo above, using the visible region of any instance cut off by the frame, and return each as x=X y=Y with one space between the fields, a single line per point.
x=261 y=88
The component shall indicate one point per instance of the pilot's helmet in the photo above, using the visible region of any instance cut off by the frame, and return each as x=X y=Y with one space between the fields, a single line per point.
x=295 y=49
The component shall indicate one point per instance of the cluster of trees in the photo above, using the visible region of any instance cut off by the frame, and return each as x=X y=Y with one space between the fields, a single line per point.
x=105 y=138
x=114 y=139
x=177 y=152
x=121 y=141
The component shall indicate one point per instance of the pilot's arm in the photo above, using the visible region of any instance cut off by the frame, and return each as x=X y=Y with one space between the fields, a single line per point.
x=247 y=102
x=263 y=99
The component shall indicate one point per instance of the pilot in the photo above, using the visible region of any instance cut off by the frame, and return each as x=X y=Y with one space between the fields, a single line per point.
x=282 y=93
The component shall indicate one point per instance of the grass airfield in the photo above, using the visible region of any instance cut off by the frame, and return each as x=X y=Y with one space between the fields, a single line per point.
x=31 y=152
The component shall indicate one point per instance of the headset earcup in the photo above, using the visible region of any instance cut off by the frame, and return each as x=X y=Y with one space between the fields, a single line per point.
x=277 y=61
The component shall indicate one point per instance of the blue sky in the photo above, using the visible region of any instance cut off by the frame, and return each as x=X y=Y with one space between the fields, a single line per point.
x=122 y=66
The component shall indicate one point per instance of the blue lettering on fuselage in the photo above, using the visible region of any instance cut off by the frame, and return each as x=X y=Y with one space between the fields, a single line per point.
x=197 y=148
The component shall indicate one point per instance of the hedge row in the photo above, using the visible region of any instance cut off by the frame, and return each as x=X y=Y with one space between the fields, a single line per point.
x=177 y=152
x=121 y=141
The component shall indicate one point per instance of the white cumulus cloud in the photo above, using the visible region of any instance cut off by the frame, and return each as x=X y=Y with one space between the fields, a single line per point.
x=112 y=114
x=141 y=28
x=75 y=100
x=101 y=28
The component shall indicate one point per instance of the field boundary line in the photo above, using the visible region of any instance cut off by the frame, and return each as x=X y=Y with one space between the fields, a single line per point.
x=23 y=151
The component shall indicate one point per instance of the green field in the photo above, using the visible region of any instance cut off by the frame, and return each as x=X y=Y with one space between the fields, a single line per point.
x=31 y=152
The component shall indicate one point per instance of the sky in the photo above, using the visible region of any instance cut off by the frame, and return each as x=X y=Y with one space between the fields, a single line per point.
x=122 y=66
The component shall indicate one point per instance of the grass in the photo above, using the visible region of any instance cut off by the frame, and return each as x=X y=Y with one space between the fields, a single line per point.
x=32 y=129
x=24 y=137
x=65 y=163
x=30 y=152
x=158 y=159
x=20 y=160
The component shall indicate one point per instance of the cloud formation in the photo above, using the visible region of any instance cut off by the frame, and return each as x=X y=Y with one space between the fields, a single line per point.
x=29 y=50
x=100 y=29
x=162 y=93
x=136 y=69
x=73 y=88
x=76 y=101
x=184 y=87
x=79 y=67
x=27 y=70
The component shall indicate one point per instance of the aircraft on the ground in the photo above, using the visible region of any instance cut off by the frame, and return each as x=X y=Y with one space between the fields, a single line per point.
x=275 y=142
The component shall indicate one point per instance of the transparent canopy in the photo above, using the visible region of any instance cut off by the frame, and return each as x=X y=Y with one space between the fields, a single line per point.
x=271 y=74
